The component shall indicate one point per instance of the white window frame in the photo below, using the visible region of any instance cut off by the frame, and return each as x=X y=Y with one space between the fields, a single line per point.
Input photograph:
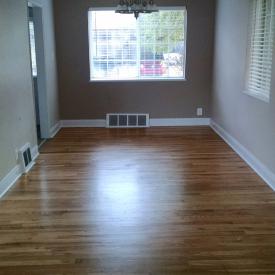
x=136 y=79
x=265 y=97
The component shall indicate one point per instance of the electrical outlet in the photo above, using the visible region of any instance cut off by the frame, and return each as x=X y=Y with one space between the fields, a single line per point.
x=199 y=111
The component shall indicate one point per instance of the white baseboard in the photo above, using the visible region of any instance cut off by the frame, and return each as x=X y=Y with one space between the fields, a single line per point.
x=161 y=122
x=170 y=122
x=11 y=178
x=97 y=123
x=55 y=129
x=8 y=181
x=34 y=152
x=267 y=175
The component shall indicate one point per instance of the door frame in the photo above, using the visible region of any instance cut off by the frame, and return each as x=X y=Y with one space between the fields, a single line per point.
x=41 y=68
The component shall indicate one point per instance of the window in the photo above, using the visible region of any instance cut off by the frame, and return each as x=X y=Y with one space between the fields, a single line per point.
x=123 y=48
x=33 y=50
x=259 y=70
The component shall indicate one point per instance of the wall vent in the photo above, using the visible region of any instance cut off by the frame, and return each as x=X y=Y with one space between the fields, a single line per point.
x=25 y=158
x=127 y=120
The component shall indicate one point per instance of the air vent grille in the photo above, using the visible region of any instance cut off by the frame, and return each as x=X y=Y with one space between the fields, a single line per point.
x=127 y=120
x=25 y=158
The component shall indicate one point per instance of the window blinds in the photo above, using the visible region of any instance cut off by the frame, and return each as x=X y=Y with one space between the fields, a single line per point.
x=261 y=48
x=123 y=48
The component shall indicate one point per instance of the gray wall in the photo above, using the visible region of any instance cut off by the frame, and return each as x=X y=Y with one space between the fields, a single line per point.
x=17 y=118
x=249 y=120
x=17 y=115
x=80 y=99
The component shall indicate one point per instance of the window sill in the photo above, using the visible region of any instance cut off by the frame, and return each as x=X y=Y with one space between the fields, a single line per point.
x=138 y=80
x=257 y=96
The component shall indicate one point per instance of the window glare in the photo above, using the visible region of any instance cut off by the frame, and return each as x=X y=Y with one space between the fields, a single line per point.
x=33 y=50
x=123 y=48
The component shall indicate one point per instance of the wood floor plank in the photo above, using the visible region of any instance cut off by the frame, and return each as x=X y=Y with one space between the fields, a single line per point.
x=138 y=201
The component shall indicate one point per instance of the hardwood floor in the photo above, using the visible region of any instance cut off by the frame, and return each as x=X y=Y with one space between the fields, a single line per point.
x=154 y=201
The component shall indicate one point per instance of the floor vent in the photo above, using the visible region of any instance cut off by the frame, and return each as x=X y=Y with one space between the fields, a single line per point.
x=25 y=158
x=127 y=120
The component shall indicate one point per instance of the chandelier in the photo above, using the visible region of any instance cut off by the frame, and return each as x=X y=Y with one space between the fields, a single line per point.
x=136 y=7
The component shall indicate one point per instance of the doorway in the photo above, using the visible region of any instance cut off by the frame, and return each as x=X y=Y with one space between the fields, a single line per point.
x=38 y=71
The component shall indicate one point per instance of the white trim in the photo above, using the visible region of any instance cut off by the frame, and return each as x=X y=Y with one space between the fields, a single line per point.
x=10 y=179
x=33 y=3
x=257 y=95
x=113 y=8
x=264 y=172
x=97 y=123
x=170 y=122
x=55 y=129
x=34 y=152
x=155 y=122
x=38 y=19
x=183 y=79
